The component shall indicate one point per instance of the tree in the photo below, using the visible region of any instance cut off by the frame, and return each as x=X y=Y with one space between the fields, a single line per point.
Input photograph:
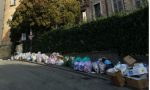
x=45 y=13
x=42 y=15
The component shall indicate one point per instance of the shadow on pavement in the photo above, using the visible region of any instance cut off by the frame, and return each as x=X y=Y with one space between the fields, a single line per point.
x=29 y=76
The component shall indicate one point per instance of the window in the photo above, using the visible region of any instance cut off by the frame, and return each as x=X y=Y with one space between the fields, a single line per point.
x=97 y=10
x=23 y=36
x=118 y=5
x=138 y=3
x=12 y=2
x=84 y=16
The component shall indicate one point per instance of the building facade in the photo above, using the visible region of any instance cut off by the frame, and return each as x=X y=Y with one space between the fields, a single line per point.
x=93 y=9
x=1 y=18
x=7 y=9
x=90 y=10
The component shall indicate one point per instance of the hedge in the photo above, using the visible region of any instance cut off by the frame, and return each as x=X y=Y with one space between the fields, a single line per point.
x=124 y=34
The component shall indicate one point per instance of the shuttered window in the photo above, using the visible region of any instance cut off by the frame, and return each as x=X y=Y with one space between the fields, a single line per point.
x=118 y=5
x=138 y=3
x=12 y=2
x=97 y=10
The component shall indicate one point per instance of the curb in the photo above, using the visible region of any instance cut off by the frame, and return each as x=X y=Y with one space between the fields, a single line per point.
x=90 y=75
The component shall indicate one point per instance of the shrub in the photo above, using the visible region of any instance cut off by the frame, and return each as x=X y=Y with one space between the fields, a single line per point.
x=126 y=34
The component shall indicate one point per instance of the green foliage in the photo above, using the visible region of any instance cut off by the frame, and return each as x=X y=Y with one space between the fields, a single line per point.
x=126 y=34
x=43 y=15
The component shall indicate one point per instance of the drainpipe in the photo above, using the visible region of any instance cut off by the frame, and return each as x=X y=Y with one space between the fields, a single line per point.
x=3 y=18
x=124 y=8
x=91 y=6
x=106 y=7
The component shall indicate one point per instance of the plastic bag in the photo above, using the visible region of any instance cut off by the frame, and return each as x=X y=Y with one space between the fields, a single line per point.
x=39 y=57
x=59 y=62
x=52 y=60
x=45 y=58
x=121 y=67
x=87 y=66
x=81 y=66
x=139 y=69
x=95 y=67
x=76 y=65
x=33 y=56
x=102 y=67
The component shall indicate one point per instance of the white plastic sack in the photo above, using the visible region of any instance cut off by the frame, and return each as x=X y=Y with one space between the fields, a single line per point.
x=81 y=66
x=101 y=67
x=87 y=67
x=45 y=58
x=95 y=67
x=111 y=71
x=52 y=59
x=33 y=56
x=39 y=57
x=138 y=70
x=76 y=66
x=121 y=67
x=59 y=62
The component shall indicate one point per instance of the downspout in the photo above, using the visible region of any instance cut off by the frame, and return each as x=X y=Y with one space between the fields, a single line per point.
x=3 y=18
x=106 y=7
x=124 y=8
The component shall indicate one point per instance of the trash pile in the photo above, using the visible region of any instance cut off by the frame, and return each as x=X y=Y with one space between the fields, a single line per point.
x=54 y=58
x=85 y=64
x=131 y=73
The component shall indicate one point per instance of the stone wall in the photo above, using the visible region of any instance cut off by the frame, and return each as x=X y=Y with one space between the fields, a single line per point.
x=5 y=51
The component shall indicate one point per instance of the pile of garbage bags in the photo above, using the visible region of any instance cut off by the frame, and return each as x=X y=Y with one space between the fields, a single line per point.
x=102 y=65
x=131 y=73
x=85 y=64
x=54 y=58
x=130 y=68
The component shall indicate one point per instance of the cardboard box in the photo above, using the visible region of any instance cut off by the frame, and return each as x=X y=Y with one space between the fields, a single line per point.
x=137 y=83
x=117 y=79
x=129 y=60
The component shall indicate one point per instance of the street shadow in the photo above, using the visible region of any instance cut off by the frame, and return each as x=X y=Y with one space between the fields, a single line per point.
x=18 y=75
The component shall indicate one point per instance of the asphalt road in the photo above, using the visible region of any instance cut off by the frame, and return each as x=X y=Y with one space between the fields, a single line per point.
x=16 y=75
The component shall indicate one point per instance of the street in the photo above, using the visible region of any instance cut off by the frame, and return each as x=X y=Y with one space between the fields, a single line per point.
x=17 y=75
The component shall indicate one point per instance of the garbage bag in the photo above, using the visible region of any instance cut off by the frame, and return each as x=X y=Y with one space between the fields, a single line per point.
x=88 y=67
x=102 y=67
x=39 y=57
x=111 y=71
x=76 y=65
x=107 y=62
x=45 y=58
x=85 y=59
x=28 y=56
x=139 y=69
x=95 y=66
x=77 y=59
x=59 y=62
x=52 y=59
x=68 y=61
x=81 y=66
x=121 y=67
x=76 y=62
